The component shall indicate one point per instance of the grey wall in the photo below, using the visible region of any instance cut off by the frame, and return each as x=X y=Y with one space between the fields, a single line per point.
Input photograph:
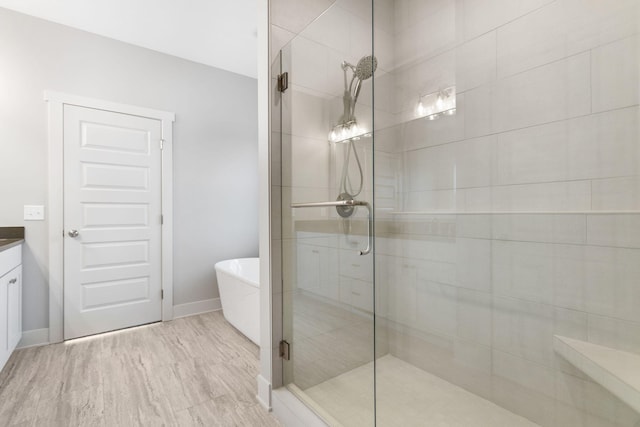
x=215 y=144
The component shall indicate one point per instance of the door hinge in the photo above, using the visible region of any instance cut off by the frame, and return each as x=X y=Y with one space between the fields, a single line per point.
x=283 y=82
x=161 y=144
x=161 y=293
x=161 y=219
x=284 y=350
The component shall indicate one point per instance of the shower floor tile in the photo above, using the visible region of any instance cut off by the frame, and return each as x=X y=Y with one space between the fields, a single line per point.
x=406 y=396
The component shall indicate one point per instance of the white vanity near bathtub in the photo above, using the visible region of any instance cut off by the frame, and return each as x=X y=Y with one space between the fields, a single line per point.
x=10 y=294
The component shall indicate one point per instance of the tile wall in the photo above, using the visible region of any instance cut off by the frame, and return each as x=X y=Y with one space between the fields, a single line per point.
x=516 y=217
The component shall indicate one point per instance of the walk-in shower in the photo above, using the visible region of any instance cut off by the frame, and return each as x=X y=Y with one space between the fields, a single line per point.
x=480 y=266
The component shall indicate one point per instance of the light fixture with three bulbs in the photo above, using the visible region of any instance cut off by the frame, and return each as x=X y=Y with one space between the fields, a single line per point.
x=436 y=104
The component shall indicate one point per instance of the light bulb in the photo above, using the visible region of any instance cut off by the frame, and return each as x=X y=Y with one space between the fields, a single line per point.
x=421 y=110
x=440 y=102
x=333 y=136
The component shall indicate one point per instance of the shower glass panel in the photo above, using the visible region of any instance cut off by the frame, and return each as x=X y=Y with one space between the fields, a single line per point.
x=503 y=174
x=327 y=214
x=507 y=212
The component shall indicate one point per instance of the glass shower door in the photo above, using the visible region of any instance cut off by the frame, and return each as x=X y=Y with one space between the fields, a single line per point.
x=326 y=202
x=507 y=244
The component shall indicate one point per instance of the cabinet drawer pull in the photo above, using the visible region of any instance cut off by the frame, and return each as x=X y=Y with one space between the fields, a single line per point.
x=12 y=281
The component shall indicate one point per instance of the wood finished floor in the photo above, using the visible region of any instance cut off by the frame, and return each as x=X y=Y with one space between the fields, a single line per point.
x=195 y=371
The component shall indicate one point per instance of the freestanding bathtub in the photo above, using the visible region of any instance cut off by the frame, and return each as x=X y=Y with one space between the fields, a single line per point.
x=239 y=285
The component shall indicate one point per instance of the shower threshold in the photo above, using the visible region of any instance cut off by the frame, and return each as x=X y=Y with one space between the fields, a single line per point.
x=406 y=396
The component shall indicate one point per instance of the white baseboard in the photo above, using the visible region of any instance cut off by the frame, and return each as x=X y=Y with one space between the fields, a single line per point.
x=264 y=392
x=198 y=307
x=34 y=338
x=38 y=337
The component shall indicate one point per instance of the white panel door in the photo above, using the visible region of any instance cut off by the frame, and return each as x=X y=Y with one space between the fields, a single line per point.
x=112 y=221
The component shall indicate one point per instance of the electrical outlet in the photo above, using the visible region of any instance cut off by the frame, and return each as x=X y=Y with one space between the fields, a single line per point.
x=33 y=212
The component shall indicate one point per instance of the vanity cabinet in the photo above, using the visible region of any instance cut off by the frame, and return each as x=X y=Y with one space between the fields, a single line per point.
x=10 y=301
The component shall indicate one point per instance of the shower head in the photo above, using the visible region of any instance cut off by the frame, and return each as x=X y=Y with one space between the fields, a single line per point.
x=365 y=68
x=362 y=71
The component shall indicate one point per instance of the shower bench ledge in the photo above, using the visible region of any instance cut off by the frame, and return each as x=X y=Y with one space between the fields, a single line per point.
x=617 y=371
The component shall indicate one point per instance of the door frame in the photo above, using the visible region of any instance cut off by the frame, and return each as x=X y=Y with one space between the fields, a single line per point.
x=55 y=134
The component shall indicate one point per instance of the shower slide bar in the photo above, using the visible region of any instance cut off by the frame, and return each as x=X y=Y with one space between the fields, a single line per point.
x=345 y=203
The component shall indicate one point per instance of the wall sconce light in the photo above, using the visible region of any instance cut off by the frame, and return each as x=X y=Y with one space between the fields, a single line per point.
x=436 y=104
x=349 y=131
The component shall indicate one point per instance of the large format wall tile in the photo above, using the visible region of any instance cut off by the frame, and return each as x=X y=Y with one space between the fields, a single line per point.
x=557 y=91
x=563 y=196
x=619 y=334
x=476 y=62
x=523 y=387
x=543 y=228
x=295 y=15
x=306 y=163
x=611 y=282
x=424 y=29
x=620 y=230
x=595 y=146
x=279 y=39
x=436 y=308
x=473 y=264
x=309 y=115
x=523 y=270
x=616 y=194
x=616 y=75
x=479 y=114
x=481 y=16
x=525 y=329
x=474 y=316
x=561 y=29
x=451 y=166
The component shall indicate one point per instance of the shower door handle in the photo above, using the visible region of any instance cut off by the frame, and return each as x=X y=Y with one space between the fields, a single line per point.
x=367 y=250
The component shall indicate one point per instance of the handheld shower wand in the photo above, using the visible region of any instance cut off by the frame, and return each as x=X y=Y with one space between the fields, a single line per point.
x=362 y=71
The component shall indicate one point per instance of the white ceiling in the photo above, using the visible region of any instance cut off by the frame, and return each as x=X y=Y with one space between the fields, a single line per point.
x=219 y=33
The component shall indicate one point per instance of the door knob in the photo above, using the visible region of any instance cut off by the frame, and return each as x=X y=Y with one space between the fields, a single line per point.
x=73 y=233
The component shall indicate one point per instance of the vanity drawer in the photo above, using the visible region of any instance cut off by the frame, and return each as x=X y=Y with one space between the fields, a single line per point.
x=356 y=266
x=10 y=259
